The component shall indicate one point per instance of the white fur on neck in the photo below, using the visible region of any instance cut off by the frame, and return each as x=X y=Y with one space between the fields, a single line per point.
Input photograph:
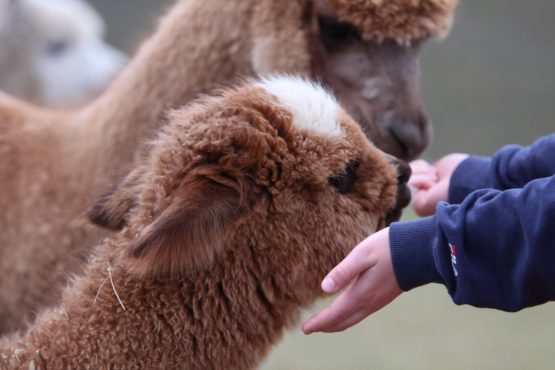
x=314 y=109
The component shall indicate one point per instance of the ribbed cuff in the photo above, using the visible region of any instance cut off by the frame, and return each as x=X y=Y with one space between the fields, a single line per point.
x=471 y=174
x=412 y=252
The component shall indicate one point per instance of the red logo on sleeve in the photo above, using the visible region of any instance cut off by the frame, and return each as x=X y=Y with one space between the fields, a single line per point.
x=453 y=248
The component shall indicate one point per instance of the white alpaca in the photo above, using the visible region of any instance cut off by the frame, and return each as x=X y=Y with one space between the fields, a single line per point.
x=52 y=52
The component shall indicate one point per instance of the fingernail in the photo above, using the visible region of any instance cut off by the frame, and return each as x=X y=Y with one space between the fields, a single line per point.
x=328 y=285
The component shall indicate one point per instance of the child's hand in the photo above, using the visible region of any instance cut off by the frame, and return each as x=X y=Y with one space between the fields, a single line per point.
x=375 y=285
x=430 y=183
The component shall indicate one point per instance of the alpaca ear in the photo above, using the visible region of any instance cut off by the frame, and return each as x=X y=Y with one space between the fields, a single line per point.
x=190 y=232
x=111 y=209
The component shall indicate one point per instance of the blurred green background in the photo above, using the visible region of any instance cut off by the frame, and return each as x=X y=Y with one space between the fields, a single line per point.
x=488 y=84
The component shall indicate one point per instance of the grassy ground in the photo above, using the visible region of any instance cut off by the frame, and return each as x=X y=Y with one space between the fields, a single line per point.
x=423 y=329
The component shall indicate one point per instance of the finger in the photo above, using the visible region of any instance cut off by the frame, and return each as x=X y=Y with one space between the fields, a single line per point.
x=421 y=181
x=421 y=205
x=357 y=261
x=342 y=308
x=360 y=294
x=436 y=193
x=368 y=292
x=421 y=166
x=425 y=201
x=353 y=319
x=341 y=316
x=418 y=164
x=373 y=304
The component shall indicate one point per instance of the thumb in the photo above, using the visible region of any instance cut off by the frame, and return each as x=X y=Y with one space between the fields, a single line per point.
x=359 y=260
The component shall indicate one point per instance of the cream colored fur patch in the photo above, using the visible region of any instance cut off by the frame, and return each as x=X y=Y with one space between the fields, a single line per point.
x=314 y=109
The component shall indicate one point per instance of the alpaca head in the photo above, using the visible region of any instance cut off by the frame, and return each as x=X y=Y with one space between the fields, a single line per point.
x=273 y=170
x=366 y=51
x=52 y=51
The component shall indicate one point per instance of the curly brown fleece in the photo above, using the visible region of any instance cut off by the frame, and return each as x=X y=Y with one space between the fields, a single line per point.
x=53 y=164
x=227 y=227
x=400 y=20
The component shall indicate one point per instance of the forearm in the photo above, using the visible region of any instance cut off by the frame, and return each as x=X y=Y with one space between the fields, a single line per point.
x=496 y=249
x=511 y=167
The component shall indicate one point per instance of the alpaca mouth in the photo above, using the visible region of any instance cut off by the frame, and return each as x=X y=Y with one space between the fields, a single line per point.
x=397 y=146
x=386 y=139
x=403 y=200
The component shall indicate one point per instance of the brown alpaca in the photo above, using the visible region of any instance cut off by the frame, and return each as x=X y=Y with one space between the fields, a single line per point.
x=52 y=165
x=246 y=199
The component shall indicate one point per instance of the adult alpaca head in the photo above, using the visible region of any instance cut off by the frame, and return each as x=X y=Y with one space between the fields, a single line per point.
x=366 y=51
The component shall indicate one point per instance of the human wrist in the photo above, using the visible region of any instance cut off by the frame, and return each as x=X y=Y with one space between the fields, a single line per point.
x=412 y=252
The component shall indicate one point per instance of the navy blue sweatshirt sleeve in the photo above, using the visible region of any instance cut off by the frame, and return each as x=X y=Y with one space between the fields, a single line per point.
x=511 y=167
x=497 y=247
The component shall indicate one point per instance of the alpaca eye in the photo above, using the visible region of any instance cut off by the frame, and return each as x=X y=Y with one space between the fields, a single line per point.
x=337 y=31
x=56 y=47
x=344 y=181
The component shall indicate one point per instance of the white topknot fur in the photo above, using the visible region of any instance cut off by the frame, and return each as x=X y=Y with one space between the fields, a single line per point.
x=314 y=109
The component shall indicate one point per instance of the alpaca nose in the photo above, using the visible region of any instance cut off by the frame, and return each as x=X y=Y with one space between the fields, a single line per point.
x=410 y=132
x=403 y=171
x=403 y=192
x=403 y=175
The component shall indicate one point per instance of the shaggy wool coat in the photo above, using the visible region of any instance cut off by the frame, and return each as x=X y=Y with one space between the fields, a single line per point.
x=245 y=200
x=52 y=165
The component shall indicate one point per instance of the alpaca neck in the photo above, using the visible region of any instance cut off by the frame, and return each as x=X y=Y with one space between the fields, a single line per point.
x=223 y=318
x=171 y=68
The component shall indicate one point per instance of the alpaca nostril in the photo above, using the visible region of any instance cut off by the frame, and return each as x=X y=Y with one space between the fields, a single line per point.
x=403 y=170
x=403 y=196
x=402 y=200
x=410 y=134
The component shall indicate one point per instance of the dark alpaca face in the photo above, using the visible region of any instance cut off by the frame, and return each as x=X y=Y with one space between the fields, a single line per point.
x=378 y=83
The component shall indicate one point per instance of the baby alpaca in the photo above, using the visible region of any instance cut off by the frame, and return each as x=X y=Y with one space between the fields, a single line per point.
x=244 y=202
x=52 y=52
